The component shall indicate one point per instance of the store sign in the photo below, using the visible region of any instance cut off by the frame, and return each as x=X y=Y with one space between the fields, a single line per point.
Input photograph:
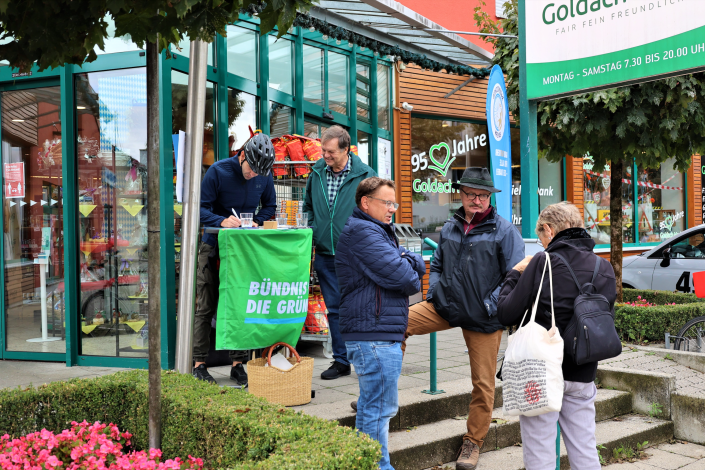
x=500 y=142
x=440 y=158
x=14 y=180
x=600 y=43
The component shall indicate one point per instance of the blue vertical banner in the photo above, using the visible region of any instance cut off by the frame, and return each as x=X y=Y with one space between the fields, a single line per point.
x=500 y=141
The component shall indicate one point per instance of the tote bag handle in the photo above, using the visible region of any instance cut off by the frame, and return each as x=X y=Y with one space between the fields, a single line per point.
x=536 y=302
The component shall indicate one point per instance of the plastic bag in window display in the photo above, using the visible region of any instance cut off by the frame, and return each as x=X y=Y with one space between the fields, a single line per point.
x=312 y=149
x=296 y=154
x=281 y=154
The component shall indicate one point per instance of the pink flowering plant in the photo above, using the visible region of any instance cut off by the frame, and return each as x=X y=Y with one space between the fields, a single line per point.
x=639 y=302
x=84 y=446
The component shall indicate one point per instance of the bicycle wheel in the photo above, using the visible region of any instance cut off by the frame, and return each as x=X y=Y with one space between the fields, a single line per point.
x=692 y=336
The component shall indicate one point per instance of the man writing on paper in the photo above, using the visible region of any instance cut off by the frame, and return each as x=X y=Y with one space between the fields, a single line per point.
x=233 y=185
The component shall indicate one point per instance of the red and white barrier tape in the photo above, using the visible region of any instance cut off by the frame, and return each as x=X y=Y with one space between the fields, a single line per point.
x=639 y=183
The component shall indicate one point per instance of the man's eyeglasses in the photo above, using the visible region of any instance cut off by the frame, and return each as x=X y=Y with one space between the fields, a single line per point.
x=389 y=204
x=472 y=196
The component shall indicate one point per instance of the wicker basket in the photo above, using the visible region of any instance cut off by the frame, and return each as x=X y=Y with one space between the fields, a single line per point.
x=285 y=387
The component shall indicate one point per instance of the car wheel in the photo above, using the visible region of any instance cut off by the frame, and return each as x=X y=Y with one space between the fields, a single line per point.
x=627 y=286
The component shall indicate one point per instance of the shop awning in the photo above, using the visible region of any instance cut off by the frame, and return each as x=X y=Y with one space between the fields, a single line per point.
x=392 y=23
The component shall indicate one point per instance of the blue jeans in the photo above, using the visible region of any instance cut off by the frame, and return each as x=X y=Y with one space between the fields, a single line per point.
x=378 y=367
x=325 y=267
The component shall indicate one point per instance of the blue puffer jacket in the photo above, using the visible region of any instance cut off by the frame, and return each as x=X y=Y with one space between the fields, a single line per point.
x=376 y=277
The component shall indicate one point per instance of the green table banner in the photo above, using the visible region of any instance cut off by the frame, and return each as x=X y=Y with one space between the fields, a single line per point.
x=264 y=276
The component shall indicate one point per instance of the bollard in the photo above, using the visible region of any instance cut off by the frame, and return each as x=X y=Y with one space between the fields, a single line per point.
x=668 y=341
x=558 y=446
x=433 y=389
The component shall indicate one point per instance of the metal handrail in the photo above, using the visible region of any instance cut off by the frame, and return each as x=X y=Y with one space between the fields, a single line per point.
x=433 y=389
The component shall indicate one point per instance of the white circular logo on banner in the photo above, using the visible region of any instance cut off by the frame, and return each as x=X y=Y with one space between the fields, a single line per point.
x=499 y=113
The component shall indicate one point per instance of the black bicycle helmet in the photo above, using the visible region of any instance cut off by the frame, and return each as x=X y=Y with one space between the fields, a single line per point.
x=259 y=153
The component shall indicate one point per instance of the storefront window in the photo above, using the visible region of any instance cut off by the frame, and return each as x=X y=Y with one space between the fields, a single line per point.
x=338 y=78
x=179 y=98
x=550 y=183
x=33 y=220
x=363 y=146
x=242 y=115
x=241 y=45
x=441 y=150
x=111 y=146
x=363 y=92
x=597 y=202
x=516 y=179
x=313 y=75
x=281 y=120
x=314 y=130
x=661 y=211
x=383 y=97
x=281 y=72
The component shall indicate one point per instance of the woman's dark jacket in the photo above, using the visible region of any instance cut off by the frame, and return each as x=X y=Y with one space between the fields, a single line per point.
x=519 y=290
x=376 y=277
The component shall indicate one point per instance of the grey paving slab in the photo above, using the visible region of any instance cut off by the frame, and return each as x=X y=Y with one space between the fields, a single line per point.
x=689 y=450
x=667 y=460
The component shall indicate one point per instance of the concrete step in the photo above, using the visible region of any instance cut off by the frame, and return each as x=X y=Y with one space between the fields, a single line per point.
x=422 y=446
x=415 y=408
x=629 y=431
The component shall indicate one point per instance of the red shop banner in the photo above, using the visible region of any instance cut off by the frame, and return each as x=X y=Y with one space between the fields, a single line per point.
x=14 y=180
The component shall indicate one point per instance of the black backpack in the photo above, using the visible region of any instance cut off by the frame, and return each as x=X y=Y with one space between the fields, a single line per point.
x=591 y=335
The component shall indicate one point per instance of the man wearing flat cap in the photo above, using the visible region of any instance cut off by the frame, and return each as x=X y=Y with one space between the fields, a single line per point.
x=477 y=248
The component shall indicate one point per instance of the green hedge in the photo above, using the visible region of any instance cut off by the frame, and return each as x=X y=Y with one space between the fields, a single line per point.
x=226 y=427
x=659 y=297
x=648 y=324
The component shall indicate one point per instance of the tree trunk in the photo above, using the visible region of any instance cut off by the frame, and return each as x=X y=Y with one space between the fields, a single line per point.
x=616 y=224
x=154 y=247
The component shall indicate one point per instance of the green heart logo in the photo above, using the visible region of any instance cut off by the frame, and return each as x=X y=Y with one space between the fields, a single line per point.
x=441 y=168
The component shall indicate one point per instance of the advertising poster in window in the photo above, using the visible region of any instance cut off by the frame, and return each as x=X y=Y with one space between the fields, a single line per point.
x=441 y=150
x=384 y=159
x=14 y=180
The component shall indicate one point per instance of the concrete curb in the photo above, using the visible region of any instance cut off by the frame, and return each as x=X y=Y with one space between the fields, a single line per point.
x=688 y=418
x=695 y=361
x=646 y=388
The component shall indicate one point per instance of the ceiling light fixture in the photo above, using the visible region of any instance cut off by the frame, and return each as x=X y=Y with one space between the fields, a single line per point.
x=18 y=120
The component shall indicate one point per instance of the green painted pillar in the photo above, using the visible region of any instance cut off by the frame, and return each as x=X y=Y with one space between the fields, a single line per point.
x=527 y=141
x=262 y=85
x=69 y=171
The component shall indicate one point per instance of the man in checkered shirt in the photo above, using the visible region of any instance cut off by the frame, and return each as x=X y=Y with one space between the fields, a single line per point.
x=329 y=201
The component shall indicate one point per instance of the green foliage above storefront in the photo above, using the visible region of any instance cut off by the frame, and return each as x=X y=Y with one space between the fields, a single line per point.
x=649 y=122
x=55 y=32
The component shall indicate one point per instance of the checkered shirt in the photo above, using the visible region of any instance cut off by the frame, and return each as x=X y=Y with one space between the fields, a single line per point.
x=335 y=180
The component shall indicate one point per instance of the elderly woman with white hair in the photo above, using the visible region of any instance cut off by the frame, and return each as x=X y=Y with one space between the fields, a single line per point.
x=561 y=231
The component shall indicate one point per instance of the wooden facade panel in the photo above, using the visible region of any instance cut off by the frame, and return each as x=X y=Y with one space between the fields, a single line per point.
x=695 y=201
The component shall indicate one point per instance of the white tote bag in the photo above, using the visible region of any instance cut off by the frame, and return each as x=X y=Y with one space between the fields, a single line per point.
x=532 y=378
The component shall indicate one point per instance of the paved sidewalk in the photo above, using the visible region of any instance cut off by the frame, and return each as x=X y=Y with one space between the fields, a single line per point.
x=684 y=456
x=688 y=381
x=453 y=364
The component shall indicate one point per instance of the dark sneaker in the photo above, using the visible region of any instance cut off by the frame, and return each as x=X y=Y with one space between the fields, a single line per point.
x=353 y=405
x=335 y=371
x=239 y=376
x=201 y=373
x=469 y=455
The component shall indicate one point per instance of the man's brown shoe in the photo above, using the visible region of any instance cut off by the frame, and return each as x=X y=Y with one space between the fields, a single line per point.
x=469 y=454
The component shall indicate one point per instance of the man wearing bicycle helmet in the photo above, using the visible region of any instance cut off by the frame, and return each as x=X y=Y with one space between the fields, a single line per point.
x=231 y=186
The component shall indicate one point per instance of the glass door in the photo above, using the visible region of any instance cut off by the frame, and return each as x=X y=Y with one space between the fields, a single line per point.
x=33 y=321
x=111 y=143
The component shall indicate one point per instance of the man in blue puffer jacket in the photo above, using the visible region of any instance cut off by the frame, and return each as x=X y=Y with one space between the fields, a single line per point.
x=376 y=277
